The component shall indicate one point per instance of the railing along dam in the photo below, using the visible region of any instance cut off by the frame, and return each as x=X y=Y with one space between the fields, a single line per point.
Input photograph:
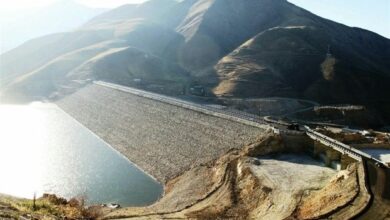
x=252 y=120
x=342 y=148
x=165 y=136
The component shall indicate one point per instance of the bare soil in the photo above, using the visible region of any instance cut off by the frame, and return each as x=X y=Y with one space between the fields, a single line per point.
x=248 y=184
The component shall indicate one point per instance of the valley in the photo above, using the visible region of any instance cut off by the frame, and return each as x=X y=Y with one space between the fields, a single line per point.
x=260 y=49
x=198 y=109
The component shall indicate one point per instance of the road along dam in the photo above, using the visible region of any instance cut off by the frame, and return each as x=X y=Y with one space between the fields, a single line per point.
x=162 y=139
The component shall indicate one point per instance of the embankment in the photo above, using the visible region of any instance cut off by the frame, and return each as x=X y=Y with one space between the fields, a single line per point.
x=162 y=139
x=249 y=184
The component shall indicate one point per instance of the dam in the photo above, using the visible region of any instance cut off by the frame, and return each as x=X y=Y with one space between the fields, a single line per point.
x=164 y=140
x=165 y=137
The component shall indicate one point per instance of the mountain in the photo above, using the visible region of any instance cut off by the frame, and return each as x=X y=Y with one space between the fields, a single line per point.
x=61 y=16
x=152 y=10
x=248 y=48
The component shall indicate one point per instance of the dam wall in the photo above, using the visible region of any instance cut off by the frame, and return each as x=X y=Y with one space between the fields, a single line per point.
x=162 y=139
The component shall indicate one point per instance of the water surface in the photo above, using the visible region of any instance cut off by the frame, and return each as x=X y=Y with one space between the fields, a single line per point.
x=44 y=150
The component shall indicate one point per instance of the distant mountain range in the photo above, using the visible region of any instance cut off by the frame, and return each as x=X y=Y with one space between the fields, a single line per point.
x=61 y=16
x=246 y=48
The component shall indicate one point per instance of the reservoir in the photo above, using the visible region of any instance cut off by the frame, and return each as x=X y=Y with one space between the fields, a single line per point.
x=44 y=150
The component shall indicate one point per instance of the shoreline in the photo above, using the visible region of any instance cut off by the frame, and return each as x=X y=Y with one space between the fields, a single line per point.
x=111 y=147
x=162 y=140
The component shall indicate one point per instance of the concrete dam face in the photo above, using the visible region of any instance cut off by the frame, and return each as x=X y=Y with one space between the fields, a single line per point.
x=162 y=139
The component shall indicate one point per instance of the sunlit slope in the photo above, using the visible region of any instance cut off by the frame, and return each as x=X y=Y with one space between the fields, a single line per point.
x=152 y=58
x=294 y=61
x=38 y=52
x=136 y=30
x=213 y=28
x=52 y=76
x=252 y=48
x=124 y=65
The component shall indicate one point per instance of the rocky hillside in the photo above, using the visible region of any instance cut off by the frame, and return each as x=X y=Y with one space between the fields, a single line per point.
x=249 y=48
x=244 y=184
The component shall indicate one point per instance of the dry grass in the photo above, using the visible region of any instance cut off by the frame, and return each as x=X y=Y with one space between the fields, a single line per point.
x=47 y=207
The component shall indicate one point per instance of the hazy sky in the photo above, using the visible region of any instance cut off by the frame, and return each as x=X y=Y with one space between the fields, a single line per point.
x=373 y=15
x=369 y=14
x=25 y=4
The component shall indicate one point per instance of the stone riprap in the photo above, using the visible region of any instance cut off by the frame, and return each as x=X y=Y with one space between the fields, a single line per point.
x=162 y=139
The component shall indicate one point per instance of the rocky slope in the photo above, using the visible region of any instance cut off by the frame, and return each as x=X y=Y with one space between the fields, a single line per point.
x=264 y=180
x=162 y=139
x=293 y=60
x=244 y=184
x=250 y=48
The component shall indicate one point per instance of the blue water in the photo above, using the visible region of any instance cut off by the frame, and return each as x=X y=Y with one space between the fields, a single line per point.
x=44 y=150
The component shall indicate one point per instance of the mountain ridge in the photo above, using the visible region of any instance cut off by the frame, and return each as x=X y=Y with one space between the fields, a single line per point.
x=251 y=48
